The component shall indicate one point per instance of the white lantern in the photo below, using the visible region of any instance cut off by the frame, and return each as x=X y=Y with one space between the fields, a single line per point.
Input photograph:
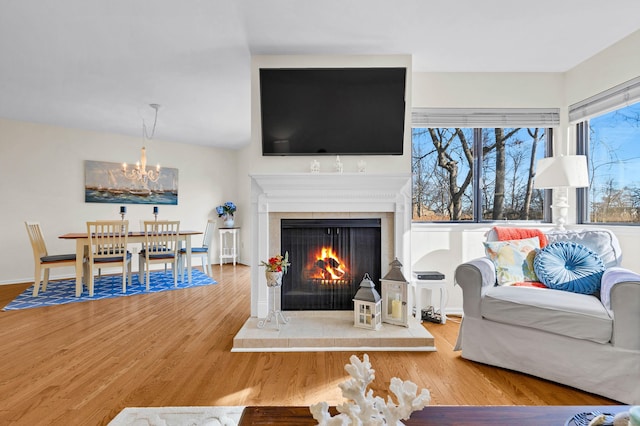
x=395 y=309
x=367 y=306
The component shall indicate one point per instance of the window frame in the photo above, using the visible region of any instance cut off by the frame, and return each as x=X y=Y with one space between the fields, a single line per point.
x=583 y=212
x=617 y=97
x=477 y=175
x=582 y=194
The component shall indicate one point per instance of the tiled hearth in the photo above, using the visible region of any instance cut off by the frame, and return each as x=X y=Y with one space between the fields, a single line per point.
x=329 y=331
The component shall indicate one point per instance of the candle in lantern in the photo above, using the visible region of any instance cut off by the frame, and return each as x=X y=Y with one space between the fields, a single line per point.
x=123 y=209
x=396 y=308
x=155 y=209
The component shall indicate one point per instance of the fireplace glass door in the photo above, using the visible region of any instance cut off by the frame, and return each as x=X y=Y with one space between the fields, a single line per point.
x=329 y=258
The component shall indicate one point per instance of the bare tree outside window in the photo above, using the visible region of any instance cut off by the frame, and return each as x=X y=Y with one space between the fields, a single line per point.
x=442 y=174
x=614 y=161
x=444 y=188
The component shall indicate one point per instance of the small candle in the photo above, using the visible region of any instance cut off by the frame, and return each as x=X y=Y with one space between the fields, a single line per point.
x=396 y=309
x=123 y=209
x=155 y=209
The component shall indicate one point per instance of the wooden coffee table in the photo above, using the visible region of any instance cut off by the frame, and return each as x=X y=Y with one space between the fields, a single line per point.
x=441 y=415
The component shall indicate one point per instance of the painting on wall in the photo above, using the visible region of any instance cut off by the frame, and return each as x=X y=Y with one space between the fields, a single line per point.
x=106 y=182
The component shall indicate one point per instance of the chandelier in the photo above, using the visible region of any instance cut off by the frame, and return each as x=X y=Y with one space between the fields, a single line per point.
x=140 y=173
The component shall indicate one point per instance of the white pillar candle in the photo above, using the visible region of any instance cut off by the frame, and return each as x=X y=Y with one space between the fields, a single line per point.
x=396 y=309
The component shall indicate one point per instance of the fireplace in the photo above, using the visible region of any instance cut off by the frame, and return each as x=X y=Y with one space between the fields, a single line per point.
x=279 y=196
x=328 y=257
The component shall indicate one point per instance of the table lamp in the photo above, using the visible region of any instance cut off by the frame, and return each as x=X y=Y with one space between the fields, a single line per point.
x=561 y=173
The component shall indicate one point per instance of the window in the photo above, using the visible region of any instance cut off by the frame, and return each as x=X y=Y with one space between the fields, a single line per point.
x=611 y=142
x=442 y=164
x=479 y=173
x=608 y=133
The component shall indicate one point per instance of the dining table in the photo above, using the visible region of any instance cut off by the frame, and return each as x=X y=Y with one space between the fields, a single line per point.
x=82 y=247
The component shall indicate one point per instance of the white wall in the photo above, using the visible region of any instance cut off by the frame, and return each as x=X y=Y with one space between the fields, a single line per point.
x=612 y=66
x=488 y=90
x=42 y=170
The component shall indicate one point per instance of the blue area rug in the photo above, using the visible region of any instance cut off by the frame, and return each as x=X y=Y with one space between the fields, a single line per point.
x=108 y=286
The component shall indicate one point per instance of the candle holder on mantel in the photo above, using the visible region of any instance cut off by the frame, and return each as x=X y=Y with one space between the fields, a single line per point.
x=395 y=309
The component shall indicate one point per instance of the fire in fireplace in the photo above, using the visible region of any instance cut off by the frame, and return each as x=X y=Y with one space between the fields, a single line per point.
x=327 y=267
x=329 y=258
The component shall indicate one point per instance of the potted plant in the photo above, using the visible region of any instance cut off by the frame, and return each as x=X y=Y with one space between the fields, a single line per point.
x=227 y=210
x=275 y=268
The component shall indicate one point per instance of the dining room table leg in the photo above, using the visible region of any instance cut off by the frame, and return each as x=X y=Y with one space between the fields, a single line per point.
x=188 y=250
x=80 y=246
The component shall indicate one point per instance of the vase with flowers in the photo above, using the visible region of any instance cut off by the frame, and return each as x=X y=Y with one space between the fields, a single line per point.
x=275 y=268
x=227 y=210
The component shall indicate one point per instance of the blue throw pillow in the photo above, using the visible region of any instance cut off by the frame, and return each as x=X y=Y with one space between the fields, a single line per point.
x=569 y=266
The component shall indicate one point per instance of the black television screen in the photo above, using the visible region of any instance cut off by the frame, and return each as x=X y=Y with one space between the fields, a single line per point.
x=332 y=111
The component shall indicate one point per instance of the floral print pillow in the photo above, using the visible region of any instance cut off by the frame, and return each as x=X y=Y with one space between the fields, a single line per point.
x=513 y=259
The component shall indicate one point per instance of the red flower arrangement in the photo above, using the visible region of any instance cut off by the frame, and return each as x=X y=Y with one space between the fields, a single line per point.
x=277 y=263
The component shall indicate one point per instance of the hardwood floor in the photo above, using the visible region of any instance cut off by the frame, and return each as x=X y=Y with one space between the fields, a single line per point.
x=82 y=363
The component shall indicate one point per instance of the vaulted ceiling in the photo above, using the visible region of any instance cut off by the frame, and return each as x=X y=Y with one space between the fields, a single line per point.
x=97 y=64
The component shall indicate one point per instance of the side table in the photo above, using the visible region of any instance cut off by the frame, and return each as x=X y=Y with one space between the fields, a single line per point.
x=419 y=285
x=228 y=244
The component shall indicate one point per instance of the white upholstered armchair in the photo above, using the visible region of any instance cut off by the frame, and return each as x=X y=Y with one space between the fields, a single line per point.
x=588 y=341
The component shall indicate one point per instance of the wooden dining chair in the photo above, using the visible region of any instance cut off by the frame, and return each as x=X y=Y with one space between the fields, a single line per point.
x=204 y=253
x=108 y=246
x=41 y=258
x=160 y=246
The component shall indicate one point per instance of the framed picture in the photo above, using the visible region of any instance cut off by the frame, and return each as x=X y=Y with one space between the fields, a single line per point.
x=106 y=182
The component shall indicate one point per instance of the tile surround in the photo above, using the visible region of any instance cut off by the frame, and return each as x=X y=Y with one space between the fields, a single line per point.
x=386 y=229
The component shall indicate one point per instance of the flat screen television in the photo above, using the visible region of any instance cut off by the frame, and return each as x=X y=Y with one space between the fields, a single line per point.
x=332 y=111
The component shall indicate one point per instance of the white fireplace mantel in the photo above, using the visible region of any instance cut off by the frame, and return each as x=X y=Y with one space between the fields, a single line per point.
x=326 y=193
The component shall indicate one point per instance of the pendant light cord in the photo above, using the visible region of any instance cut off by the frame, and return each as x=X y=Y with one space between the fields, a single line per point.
x=155 y=120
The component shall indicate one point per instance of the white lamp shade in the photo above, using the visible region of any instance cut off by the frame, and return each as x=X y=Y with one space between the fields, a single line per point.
x=567 y=171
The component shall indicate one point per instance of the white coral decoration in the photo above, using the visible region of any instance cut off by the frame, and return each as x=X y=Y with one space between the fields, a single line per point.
x=365 y=409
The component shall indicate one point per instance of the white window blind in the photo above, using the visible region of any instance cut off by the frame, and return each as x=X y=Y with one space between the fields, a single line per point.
x=624 y=94
x=485 y=117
